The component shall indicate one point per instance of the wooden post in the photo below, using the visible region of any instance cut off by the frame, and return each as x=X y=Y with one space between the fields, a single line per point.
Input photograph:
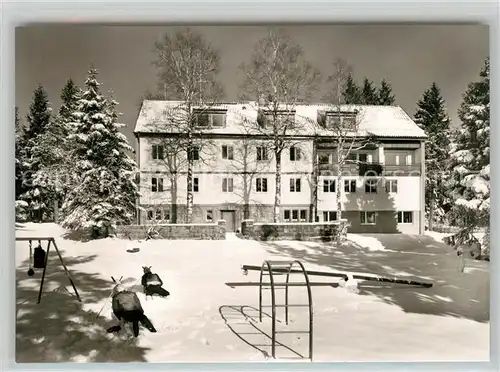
x=43 y=274
x=66 y=271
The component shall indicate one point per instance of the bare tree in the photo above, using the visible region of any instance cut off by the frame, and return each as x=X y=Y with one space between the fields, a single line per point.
x=340 y=125
x=278 y=78
x=242 y=161
x=187 y=69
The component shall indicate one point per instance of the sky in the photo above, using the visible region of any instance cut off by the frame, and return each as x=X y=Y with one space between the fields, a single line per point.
x=409 y=56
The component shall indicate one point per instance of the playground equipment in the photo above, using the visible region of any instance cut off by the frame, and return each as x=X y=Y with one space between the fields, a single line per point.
x=274 y=268
x=376 y=278
x=41 y=258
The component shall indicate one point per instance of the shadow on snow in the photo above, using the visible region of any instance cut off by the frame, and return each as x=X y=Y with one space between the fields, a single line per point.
x=59 y=329
x=457 y=294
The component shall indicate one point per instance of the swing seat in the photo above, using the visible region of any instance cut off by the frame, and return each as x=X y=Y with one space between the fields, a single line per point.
x=39 y=258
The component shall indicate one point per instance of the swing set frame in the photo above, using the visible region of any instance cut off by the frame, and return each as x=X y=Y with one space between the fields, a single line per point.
x=50 y=241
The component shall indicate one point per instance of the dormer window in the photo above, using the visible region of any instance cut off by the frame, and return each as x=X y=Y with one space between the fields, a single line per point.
x=210 y=118
x=284 y=118
x=334 y=120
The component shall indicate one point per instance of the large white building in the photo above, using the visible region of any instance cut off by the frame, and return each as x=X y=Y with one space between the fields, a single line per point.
x=234 y=170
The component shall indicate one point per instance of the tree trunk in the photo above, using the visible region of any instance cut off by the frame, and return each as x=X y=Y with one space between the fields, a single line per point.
x=173 y=197
x=189 y=198
x=431 y=214
x=338 y=186
x=277 y=195
x=56 y=211
x=315 y=177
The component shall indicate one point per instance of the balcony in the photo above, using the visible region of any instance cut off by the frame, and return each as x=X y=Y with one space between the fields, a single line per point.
x=372 y=169
x=393 y=170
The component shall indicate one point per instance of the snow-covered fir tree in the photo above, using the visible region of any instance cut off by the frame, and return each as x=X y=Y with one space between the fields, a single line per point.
x=351 y=93
x=35 y=191
x=470 y=159
x=432 y=117
x=55 y=151
x=106 y=190
x=19 y=155
x=369 y=93
x=385 y=95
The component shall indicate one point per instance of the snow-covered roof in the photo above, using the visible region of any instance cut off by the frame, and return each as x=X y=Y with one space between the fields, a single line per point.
x=380 y=121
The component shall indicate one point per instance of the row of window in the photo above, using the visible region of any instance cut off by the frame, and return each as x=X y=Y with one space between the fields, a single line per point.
x=292 y=215
x=227 y=152
x=218 y=118
x=371 y=186
x=370 y=218
x=390 y=158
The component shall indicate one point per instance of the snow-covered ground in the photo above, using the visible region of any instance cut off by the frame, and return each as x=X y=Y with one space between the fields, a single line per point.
x=206 y=320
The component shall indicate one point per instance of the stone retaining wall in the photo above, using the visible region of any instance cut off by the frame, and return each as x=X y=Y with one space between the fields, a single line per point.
x=205 y=231
x=295 y=231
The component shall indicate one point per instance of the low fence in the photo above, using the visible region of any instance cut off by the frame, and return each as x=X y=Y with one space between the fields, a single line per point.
x=205 y=231
x=295 y=230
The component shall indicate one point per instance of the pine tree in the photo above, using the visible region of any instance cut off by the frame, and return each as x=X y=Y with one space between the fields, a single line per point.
x=34 y=185
x=351 y=93
x=385 y=96
x=369 y=93
x=470 y=159
x=54 y=149
x=19 y=160
x=19 y=135
x=432 y=117
x=105 y=193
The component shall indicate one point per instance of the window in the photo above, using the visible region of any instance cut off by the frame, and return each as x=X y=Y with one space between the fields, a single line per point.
x=329 y=216
x=391 y=186
x=295 y=154
x=329 y=186
x=156 y=184
x=227 y=185
x=351 y=157
x=334 y=121
x=324 y=158
x=294 y=184
x=227 y=152
x=368 y=218
x=286 y=215
x=303 y=215
x=350 y=186
x=166 y=215
x=194 y=153
x=158 y=214
x=398 y=157
x=371 y=186
x=262 y=154
x=261 y=184
x=207 y=119
x=359 y=158
x=157 y=152
x=150 y=215
x=210 y=215
x=195 y=184
x=283 y=118
x=295 y=215
x=405 y=217
x=409 y=159
x=344 y=120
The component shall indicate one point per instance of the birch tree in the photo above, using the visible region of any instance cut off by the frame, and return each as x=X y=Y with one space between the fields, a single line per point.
x=187 y=68
x=278 y=77
x=340 y=122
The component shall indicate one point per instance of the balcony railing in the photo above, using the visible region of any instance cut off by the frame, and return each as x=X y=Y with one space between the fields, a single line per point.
x=373 y=169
